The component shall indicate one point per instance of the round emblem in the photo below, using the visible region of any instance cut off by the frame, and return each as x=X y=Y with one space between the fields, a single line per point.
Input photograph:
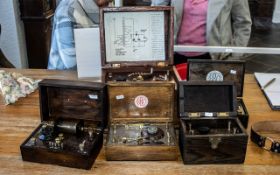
x=214 y=76
x=141 y=101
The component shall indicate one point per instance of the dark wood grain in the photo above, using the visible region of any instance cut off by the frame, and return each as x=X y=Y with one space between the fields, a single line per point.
x=232 y=70
x=70 y=101
x=17 y=121
x=197 y=148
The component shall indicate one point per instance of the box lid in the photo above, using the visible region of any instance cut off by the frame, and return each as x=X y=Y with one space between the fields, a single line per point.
x=136 y=36
x=72 y=100
x=141 y=102
x=218 y=70
x=207 y=99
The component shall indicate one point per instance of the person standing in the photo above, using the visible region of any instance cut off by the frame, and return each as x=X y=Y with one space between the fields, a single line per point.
x=71 y=13
x=211 y=23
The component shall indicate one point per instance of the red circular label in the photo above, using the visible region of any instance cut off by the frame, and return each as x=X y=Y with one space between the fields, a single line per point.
x=141 y=101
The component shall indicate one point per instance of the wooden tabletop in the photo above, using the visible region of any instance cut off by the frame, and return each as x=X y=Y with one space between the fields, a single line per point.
x=17 y=121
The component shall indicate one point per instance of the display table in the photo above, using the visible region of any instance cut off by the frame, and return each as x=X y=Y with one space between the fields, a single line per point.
x=19 y=120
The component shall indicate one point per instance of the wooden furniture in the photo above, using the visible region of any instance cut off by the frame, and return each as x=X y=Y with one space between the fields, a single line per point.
x=37 y=17
x=19 y=120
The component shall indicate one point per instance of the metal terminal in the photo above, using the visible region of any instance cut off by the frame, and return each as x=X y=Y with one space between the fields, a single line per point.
x=114 y=129
x=61 y=136
x=151 y=70
x=33 y=141
x=165 y=77
x=90 y=134
x=167 y=126
x=234 y=130
x=240 y=110
x=114 y=140
x=110 y=75
x=82 y=146
x=168 y=138
x=229 y=126
x=191 y=131
x=126 y=126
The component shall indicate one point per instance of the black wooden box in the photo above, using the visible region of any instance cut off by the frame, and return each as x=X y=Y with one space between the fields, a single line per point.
x=210 y=132
x=222 y=70
x=73 y=117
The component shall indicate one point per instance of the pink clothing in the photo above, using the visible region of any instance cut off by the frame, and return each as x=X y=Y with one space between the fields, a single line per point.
x=193 y=27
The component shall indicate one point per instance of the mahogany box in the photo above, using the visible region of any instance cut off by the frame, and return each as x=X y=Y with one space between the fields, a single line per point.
x=222 y=70
x=137 y=44
x=210 y=132
x=141 y=122
x=137 y=58
x=73 y=117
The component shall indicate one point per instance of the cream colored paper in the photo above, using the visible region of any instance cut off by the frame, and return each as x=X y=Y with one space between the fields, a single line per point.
x=134 y=36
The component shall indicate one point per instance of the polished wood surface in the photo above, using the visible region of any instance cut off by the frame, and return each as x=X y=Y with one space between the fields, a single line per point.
x=19 y=120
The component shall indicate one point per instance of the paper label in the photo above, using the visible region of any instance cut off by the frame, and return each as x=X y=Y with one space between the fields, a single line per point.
x=93 y=96
x=214 y=76
x=208 y=114
x=141 y=101
x=233 y=72
x=120 y=97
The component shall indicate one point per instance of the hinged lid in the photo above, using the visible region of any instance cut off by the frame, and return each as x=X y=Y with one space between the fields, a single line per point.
x=218 y=70
x=207 y=99
x=136 y=36
x=136 y=102
x=72 y=100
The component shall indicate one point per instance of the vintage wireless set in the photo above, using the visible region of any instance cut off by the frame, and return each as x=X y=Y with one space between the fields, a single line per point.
x=73 y=119
x=140 y=98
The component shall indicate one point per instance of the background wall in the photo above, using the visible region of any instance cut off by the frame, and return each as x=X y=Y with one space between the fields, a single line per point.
x=12 y=40
x=276 y=14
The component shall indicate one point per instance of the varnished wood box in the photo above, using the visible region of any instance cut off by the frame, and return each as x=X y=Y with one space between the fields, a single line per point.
x=222 y=70
x=73 y=117
x=210 y=132
x=137 y=54
x=141 y=122
x=137 y=44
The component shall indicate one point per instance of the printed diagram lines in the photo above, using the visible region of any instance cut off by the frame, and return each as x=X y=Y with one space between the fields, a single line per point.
x=126 y=36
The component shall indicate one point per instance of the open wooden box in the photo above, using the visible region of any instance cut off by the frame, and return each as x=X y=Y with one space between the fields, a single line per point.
x=73 y=117
x=222 y=70
x=137 y=44
x=210 y=132
x=141 y=122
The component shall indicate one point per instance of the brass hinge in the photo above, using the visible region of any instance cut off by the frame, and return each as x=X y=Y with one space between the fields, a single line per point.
x=116 y=65
x=194 y=115
x=222 y=114
x=161 y=64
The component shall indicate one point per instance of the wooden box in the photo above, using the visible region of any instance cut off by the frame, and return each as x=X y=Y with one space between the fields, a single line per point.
x=137 y=44
x=222 y=70
x=137 y=54
x=37 y=8
x=210 y=133
x=73 y=116
x=141 y=122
